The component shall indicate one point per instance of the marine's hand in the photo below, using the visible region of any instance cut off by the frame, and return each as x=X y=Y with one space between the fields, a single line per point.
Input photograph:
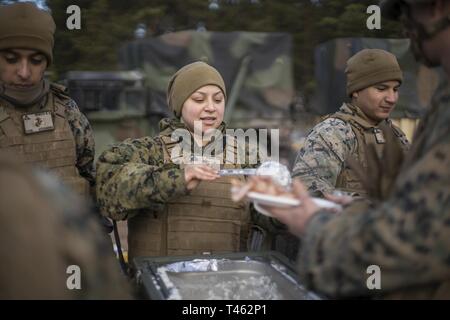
x=339 y=199
x=194 y=173
x=296 y=217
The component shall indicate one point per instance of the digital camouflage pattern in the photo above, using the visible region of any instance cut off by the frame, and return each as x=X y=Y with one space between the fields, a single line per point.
x=319 y=161
x=330 y=58
x=325 y=152
x=132 y=175
x=407 y=236
x=84 y=139
x=51 y=229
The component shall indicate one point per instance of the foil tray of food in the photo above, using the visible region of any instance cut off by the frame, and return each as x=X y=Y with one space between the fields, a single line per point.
x=234 y=276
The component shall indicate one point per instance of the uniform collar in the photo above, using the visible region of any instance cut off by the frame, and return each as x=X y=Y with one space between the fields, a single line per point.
x=362 y=118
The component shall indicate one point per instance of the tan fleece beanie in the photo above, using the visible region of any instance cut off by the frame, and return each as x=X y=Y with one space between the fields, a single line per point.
x=24 y=26
x=187 y=80
x=369 y=67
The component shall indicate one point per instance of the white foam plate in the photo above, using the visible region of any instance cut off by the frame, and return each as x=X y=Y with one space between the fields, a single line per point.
x=285 y=202
x=275 y=201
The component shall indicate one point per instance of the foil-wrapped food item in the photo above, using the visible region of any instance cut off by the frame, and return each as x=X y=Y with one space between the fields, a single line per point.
x=277 y=171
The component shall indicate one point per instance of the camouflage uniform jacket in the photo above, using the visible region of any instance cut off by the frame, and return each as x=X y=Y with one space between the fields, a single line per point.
x=321 y=162
x=81 y=129
x=133 y=175
x=407 y=236
x=43 y=238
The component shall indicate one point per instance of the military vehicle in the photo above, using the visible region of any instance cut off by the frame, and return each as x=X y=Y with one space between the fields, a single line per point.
x=115 y=102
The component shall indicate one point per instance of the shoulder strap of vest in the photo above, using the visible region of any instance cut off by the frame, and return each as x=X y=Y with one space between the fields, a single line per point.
x=59 y=89
x=230 y=147
x=60 y=97
x=167 y=145
x=397 y=131
x=344 y=116
x=347 y=115
x=404 y=143
x=7 y=124
x=353 y=115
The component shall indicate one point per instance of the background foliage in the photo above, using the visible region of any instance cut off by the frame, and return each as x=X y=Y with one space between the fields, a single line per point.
x=106 y=24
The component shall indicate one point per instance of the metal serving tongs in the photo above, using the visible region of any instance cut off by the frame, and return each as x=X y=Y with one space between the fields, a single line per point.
x=278 y=172
x=237 y=172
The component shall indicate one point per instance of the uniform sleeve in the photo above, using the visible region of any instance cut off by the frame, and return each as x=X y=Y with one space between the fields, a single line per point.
x=132 y=176
x=320 y=160
x=407 y=237
x=84 y=139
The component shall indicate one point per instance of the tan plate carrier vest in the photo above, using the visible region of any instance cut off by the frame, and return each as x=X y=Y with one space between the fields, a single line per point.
x=53 y=150
x=366 y=133
x=205 y=221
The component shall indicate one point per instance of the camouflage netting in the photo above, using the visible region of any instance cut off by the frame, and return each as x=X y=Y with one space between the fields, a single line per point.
x=330 y=58
x=257 y=68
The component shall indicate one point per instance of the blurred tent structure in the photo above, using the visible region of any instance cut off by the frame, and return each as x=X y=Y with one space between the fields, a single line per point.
x=257 y=69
